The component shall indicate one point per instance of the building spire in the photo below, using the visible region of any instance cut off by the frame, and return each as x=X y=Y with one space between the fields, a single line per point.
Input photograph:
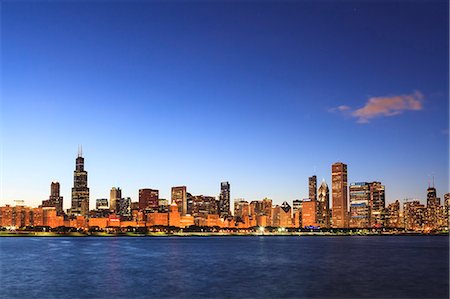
x=80 y=151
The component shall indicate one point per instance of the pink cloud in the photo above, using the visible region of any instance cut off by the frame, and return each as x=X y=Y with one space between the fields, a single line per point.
x=388 y=106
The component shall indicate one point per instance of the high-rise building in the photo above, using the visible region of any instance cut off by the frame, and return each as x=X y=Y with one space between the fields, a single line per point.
x=414 y=215
x=339 y=193
x=309 y=212
x=377 y=204
x=224 y=200
x=55 y=200
x=80 y=190
x=101 y=204
x=148 y=199
x=446 y=214
x=241 y=208
x=312 y=187
x=114 y=195
x=179 y=196
x=123 y=207
x=433 y=213
x=359 y=205
x=323 y=205
x=393 y=220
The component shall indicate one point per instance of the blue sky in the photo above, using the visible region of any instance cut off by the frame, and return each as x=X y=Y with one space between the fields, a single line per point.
x=262 y=94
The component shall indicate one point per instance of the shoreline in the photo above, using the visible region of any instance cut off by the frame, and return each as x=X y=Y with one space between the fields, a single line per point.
x=210 y=234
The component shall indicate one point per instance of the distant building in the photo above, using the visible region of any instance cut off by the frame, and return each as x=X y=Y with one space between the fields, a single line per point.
x=148 y=199
x=123 y=207
x=179 y=196
x=101 y=204
x=312 y=187
x=55 y=200
x=323 y=205
x=414 y=215
x=309 y=212
x=224 y=200
x=434 y=211
x=80 y=190
x=241 y=208
x=446 y=214
x=393 y=215
x=339 y=193
x=114 y=195
x=377 y=204
x=359 y=205
x=163 y=205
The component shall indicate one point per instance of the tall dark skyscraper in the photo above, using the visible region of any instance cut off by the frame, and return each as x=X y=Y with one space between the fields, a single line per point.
x=312 y=184
x=224 y=200
x=377 y=204
x=80 y=190
x=114 y=196
x=340 y=196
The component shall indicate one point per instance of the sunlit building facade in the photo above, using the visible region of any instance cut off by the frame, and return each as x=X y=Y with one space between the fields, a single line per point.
x=340 y=195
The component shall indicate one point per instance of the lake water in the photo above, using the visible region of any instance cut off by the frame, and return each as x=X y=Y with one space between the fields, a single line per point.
x=225 y=267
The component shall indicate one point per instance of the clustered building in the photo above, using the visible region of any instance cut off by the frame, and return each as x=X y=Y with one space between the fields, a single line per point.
x=359 y=205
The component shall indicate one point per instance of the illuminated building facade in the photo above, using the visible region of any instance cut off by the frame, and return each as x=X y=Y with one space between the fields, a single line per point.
x=309 y=213
x=393 y=215
x=359 y=205
x=55 y=200
x=80 y=190
x=224 y=200
x=377 y=204
x=340 y=196
x=323 y=205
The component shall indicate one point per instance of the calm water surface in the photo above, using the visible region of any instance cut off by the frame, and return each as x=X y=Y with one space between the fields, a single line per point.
x=225 y=267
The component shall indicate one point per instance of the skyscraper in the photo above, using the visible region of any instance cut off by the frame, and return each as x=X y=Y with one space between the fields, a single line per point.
x=323 y=205
x=377 y=204
x=55 y=200
x=224 y=200
x=114 y=196
x=80 y=190
x=359 y=205
x=179 y=196
x=339 y=193
x=312 y=187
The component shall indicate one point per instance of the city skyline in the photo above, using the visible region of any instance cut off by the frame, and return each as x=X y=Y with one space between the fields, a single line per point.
x=265 y=96
x=80 y=184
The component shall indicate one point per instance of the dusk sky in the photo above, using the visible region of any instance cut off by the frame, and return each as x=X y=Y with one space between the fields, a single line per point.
x=260 y=94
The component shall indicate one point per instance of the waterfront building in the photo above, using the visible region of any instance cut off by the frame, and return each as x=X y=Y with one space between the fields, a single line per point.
x=414 y=215
x=114 y=196
x=256 y=208
x=204 y=205
x=241 y=208
x=393 y=215
x=323 y=205
x=174 y=215
x=445 y=213
x=433 y=212
x=309 y=213
x=377 y=204
x=54 y=200
x=297 y=205
x=312 y=187
x=148 y=199
x=101 y=204
x=359 y=205
x=123 y=207
x=80 y=190
x=339 y=194
x=224 y=200
x=179 y=196
x=163 y=205
x=267 y=208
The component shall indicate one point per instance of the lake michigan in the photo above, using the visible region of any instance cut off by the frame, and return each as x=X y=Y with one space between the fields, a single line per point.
x=225 y=267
